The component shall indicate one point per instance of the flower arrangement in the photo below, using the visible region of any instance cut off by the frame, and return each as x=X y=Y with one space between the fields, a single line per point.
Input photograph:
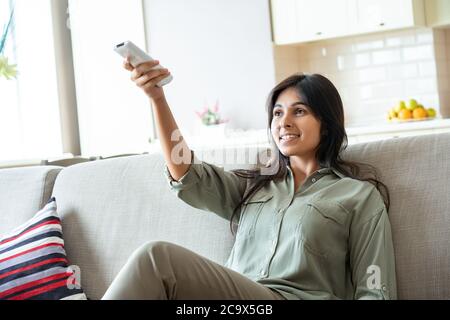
x=6 y=70
x=211 y=116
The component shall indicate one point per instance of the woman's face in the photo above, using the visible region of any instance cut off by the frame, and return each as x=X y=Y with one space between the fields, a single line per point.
x=295 y=129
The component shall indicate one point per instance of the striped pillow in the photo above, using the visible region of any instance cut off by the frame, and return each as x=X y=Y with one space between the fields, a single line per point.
x=33 y=262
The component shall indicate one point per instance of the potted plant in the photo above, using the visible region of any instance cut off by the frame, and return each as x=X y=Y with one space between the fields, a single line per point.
x=7 y=70
x=212 y=124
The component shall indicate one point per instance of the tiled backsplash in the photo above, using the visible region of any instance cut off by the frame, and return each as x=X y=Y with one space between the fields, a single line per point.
x=373 y=72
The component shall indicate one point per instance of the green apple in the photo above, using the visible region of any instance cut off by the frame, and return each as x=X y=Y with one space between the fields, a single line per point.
x=431 y=112
x=412 y=104
x=401 y=105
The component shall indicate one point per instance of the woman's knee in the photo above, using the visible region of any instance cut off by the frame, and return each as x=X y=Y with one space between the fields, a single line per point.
x=154 y=249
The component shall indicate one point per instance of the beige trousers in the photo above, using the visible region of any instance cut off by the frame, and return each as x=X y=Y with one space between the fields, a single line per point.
x=162 y=270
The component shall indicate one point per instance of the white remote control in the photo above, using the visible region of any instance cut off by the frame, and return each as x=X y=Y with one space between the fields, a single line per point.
x=138 y=56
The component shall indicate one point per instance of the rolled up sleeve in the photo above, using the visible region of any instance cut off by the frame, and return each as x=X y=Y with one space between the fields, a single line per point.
x=372 y=257
x=208 y=187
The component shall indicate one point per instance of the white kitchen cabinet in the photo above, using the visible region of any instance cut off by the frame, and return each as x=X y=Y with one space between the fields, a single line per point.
x=284 y=21
x=297 y=21
x=437 y=13
x=321 y=19
x=382 y=15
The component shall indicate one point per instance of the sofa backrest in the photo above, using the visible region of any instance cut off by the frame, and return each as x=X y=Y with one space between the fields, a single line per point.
x=23 y=192
x=110 y=207
x=417 y=172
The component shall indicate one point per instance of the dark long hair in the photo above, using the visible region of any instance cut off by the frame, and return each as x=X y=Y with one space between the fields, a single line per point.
x=325 y=103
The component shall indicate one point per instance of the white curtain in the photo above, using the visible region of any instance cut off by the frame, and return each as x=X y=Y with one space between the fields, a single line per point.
x=29 y=113
x=114 y=115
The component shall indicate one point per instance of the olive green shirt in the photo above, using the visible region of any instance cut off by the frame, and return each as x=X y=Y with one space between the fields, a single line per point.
x=330 y=239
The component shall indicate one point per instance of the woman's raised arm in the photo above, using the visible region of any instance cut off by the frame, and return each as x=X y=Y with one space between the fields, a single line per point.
x=145 y=77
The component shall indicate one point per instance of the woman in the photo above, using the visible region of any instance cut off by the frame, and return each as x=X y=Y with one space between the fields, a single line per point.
x=312 y=228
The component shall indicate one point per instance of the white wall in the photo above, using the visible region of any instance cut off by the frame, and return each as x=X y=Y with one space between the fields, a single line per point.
x=215 y=49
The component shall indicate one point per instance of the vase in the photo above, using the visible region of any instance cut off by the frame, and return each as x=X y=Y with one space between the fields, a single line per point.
x=213 y=132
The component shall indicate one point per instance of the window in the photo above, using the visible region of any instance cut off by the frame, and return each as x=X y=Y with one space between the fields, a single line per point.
x=114 y=116
x=29 y=114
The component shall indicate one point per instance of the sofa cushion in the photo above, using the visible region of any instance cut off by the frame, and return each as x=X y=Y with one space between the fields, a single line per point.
x=416 y=171
x=23 y=192
x=33 y=263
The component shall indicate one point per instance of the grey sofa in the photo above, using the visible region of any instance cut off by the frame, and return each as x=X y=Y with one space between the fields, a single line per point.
x=111 y=207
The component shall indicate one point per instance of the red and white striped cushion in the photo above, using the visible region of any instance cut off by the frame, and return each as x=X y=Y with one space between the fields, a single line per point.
x=33 y=262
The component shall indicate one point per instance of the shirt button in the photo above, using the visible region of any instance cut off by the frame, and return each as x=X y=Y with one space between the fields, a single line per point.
x=313 y=180
x=383 y=288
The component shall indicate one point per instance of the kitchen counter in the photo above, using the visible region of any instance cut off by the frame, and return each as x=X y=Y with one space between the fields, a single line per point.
x=386 y=130
x=397 y=127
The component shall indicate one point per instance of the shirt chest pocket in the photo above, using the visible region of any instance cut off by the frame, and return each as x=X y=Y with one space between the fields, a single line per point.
x=251 y=211
x=323 y=227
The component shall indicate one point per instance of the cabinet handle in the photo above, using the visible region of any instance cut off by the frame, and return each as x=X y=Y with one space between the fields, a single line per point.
x=381 y=24
x=318 y=33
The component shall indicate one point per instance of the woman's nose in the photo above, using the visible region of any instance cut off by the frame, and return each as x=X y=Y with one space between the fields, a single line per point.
x=285 y=121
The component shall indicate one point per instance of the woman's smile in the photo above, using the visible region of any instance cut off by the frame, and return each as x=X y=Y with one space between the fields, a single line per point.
x=289 y=138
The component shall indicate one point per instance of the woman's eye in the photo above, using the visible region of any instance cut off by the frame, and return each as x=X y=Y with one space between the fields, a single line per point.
x=276 y=113
x=301 y=111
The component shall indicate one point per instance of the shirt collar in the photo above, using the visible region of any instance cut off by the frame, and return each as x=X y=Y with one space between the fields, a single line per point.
x=325 y=171
x=331 y=170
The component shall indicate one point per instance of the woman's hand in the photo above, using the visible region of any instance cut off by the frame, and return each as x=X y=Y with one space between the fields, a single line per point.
x=146 y=78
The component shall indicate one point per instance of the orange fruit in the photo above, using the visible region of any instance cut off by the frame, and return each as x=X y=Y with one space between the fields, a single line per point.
x=419 y=113
x=404 y=114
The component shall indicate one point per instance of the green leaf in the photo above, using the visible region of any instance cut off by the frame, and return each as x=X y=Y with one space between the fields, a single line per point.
x=5 y=32
x=7 y=70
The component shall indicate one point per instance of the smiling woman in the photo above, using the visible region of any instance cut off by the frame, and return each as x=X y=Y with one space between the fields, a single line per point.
x=306 y=125
x=311 y=228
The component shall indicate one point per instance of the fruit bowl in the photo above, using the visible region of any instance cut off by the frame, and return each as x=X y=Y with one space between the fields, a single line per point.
x=396 y=120
x=411 y=113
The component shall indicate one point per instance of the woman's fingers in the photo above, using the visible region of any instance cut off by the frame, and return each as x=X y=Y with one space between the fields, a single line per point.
x=127 y=66
x=155 y=81
x=145 y=75
x=151 y=76
x=143 y=68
